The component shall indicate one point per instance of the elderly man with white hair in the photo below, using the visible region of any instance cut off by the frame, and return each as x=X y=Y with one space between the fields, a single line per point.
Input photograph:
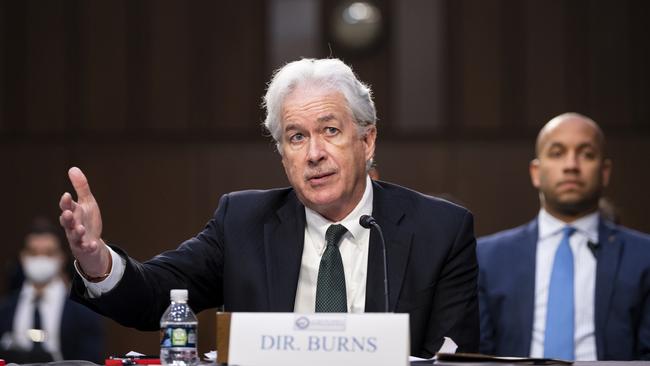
x=301 y=248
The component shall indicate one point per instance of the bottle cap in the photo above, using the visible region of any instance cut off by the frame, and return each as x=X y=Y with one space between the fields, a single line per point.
x=178 y=295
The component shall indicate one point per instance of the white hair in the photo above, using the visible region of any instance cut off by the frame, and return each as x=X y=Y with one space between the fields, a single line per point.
x=330 y=73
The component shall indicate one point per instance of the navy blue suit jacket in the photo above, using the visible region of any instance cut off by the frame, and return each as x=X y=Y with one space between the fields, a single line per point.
x=622 y=308
x=81 y=333
x=248 y=258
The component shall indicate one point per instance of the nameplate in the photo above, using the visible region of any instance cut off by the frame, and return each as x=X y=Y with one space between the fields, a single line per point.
x=323 y=339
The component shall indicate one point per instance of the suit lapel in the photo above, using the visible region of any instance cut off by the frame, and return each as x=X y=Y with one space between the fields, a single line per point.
x=608 y=259
x=8 y=313
x=283 y=243
x=398 y=242
x=64 y=331
x=526 y=265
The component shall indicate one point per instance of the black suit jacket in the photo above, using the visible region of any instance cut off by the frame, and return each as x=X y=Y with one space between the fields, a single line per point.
x=248 y=258
x=81 y=332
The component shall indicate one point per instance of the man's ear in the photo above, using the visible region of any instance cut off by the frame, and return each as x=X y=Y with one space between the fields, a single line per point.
x=369 y=138
x=533 y=169
x=606 y=171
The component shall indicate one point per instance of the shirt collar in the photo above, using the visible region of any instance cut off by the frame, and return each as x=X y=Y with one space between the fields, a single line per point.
x=51 y=291
x=587 y=225
x=351 y=221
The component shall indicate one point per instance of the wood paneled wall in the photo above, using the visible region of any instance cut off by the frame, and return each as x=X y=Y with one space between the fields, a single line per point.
x=158 y=102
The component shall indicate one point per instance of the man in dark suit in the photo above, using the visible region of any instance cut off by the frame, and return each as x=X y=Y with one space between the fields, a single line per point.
x=270 y=250
x=39 y=323
x=569 y=284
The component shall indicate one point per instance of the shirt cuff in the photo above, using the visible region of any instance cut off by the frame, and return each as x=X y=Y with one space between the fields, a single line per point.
x=97 y=289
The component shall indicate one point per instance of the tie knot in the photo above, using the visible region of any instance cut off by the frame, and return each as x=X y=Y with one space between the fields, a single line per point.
x=334 y=234
x=567 y=231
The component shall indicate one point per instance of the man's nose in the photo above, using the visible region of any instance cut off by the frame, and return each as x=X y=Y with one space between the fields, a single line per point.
x=316 y=150
x=571 y=162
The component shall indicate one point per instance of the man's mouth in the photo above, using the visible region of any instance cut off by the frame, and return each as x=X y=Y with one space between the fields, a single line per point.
x=570 y=184
x=319 y=178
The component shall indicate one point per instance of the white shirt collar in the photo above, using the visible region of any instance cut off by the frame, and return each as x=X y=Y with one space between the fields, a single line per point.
x=548 y=225
x=351 y=221
x=51 y=293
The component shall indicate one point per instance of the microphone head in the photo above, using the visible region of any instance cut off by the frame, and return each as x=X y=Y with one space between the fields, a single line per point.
x=367 y=221
x=592 y=245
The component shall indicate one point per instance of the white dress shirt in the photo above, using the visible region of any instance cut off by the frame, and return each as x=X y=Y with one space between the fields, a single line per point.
x=354 y=253
x=96 y=289
x=51 y=309
x=584 y=264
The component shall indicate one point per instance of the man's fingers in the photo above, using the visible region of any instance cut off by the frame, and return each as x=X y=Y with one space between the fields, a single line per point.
x=66 y=202
x=73 y=230
x=79 y=231
x=67 y=220
x=80 y=183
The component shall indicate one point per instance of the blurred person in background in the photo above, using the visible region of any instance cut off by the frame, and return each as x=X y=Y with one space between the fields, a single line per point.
x=38 y=323
x=571 y=284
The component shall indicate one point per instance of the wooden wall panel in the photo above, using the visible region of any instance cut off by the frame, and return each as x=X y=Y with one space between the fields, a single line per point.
x=493 y=182
x=478 y=58
x=639 y=56
x=138 y=65
x=3 y=62
x=169 y=66
x=630 y=179
x=432 y=172
x=45 y=78
x=203 y=65
x=240 y=63
x=419 y=77
x=545 y=62
x=577 y=59
x=610 y=71
x=103 y=42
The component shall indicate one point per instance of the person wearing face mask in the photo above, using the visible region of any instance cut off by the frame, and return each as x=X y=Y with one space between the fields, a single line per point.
x=38 y=323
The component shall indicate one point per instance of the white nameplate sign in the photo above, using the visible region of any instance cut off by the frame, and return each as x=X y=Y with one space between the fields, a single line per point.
x=323 y=339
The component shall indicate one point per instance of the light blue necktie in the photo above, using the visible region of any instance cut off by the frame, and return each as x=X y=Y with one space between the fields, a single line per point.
x=560 y=317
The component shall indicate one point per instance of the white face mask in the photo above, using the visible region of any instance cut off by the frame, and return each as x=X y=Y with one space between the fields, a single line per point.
x=41 y=269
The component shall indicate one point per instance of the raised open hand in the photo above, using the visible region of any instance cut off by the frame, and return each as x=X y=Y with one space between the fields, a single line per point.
x=82 y=222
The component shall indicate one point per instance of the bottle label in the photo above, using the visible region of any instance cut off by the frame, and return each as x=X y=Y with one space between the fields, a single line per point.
x=178 y=336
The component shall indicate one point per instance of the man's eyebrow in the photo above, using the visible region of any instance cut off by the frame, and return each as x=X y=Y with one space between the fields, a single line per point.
x=290 y=126
x=586 y=144
x=326 y=118
x=583 y=145
x=555 y=144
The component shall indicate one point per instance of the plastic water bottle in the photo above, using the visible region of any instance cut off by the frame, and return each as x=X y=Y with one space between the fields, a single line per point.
x=178 y=328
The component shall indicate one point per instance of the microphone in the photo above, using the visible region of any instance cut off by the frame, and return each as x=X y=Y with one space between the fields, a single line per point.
x=369 y=222
x=594 y=248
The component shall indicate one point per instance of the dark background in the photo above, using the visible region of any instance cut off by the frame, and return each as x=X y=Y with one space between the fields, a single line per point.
x=158 y=103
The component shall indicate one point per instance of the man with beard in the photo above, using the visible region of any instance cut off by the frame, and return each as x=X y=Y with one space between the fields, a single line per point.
x=301 y=248
x=569 y=284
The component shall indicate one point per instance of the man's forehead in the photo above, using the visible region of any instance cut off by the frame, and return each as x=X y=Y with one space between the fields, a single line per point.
x=322 y=105
x=45 y=241
x=307 y=94
x=569 y=131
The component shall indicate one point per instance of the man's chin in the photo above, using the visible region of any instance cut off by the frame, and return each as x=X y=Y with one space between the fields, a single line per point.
x=575 y=207
x=319 y=198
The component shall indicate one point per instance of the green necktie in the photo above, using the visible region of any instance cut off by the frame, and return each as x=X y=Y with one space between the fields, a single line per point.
x=330 y=288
